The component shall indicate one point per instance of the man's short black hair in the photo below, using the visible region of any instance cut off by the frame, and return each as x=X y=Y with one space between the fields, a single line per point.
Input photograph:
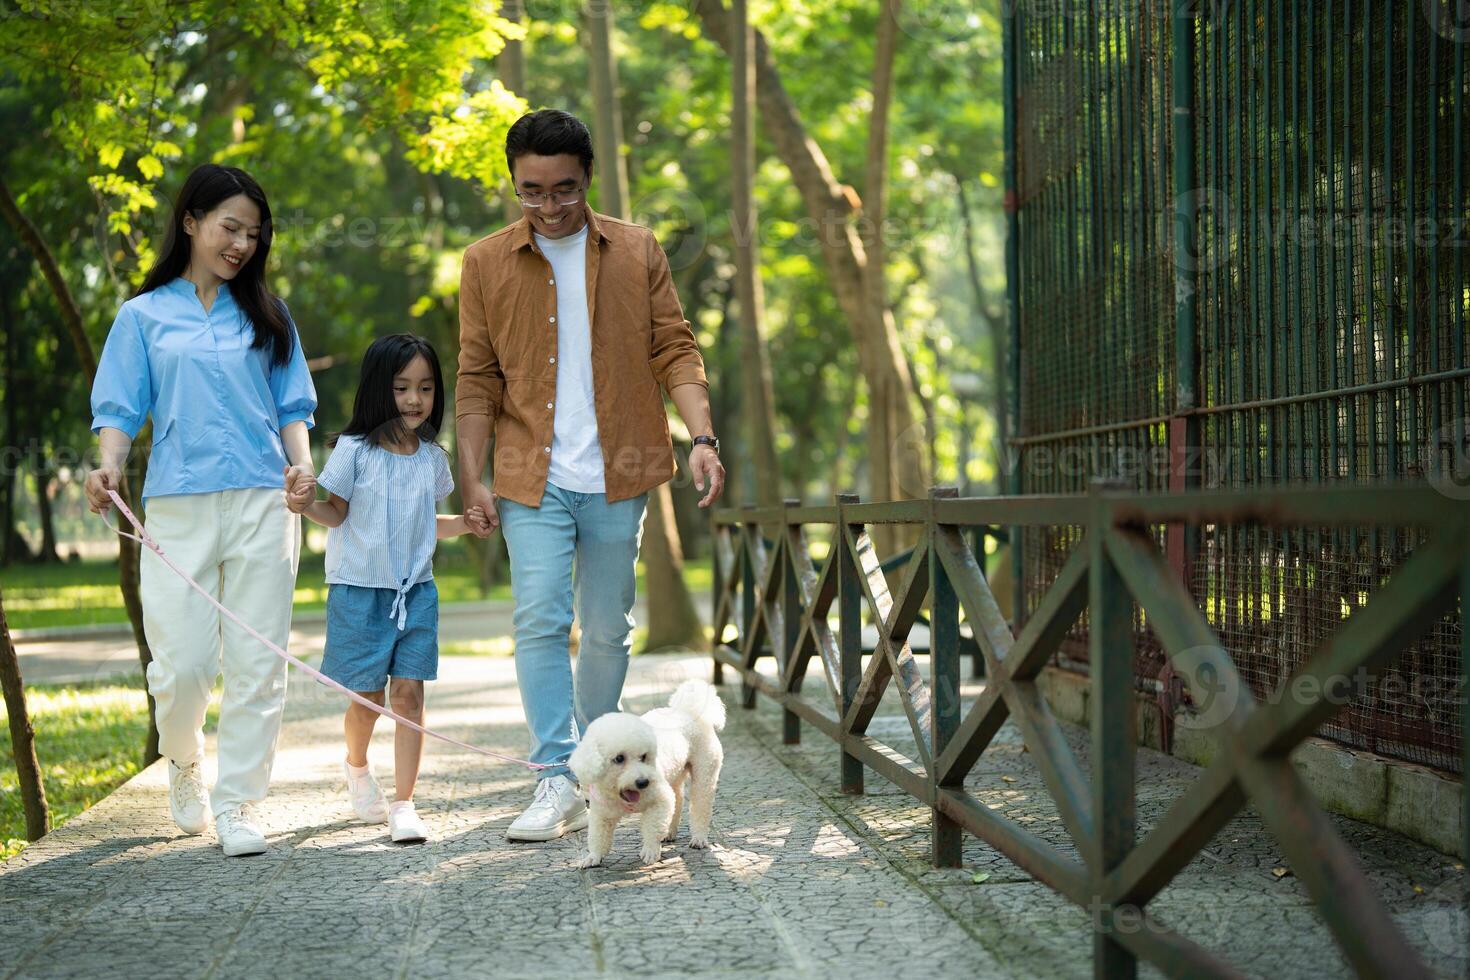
x=548 y=133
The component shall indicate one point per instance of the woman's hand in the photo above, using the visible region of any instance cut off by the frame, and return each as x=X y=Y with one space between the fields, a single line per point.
x=300 y=488
x=114 y=445
x=99 y=481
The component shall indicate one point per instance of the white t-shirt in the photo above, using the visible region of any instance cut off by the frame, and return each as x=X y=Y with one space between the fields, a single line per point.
x=576 y=451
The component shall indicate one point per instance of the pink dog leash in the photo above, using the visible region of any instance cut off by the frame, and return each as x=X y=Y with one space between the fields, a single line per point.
x=147 y=541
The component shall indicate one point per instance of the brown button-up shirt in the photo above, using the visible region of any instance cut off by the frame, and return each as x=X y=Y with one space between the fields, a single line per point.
x=507 y=354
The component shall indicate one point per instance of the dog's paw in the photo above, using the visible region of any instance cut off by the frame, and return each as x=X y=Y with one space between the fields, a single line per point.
x=671 y=836
x=651 y=855
x=698 y=843
x=589 y=861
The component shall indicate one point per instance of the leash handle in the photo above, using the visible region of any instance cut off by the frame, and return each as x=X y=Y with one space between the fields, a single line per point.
x=146 y=540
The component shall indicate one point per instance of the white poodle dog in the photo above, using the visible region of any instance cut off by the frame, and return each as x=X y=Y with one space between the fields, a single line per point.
x=629 y=764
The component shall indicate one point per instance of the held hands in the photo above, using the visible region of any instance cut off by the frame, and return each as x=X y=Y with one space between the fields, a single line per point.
x=99 y=481
x=705 y=464
x=300 y=485
x=480 y=515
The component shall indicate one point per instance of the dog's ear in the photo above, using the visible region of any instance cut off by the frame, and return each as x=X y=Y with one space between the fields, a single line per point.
x=587 y=761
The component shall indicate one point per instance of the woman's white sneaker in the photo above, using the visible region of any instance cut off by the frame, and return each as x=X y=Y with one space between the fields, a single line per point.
x=187 y=799
x=404 y=825
x=556 y=810
x=367 y=796
x=239 y=831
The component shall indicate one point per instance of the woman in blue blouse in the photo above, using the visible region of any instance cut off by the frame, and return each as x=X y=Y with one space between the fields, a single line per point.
x=215 y=359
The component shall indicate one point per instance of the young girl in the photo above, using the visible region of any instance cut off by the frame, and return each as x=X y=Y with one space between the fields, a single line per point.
x=383 y=480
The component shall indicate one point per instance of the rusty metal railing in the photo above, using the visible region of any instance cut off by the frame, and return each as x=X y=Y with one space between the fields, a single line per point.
x=781 y=605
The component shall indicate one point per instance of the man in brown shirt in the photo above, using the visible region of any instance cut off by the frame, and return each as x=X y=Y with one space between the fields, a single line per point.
x=570 y=332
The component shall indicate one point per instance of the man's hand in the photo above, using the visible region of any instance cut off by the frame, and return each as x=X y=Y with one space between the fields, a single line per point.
x=480 y=515
x=300 y=488
x=99 y=481
x=706 y=465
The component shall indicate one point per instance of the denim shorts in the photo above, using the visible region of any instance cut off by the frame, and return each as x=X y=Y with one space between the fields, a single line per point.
x=364 y=644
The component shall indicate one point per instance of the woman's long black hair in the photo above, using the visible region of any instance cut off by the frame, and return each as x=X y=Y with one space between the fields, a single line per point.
x=374 y=411
x=207 y=186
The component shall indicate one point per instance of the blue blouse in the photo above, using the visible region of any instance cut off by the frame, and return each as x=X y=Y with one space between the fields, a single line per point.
x=218 y=404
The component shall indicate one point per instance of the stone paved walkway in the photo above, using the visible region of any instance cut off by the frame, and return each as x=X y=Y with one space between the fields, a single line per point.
x=804 y=882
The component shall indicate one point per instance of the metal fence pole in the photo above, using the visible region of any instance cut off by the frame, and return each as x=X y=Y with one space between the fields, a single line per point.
x=849 y=634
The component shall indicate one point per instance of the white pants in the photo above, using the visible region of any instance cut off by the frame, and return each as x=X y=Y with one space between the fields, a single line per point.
x=241 y=546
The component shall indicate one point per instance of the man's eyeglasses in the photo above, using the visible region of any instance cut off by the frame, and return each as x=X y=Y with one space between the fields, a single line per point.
x=562 y=198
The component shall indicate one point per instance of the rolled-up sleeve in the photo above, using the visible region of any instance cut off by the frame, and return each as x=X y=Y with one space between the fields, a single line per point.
x=122 y=393
x=674 y=354
x=291 y=386
x=480 y=386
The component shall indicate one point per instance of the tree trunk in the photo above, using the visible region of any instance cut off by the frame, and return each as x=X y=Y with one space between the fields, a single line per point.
x=41 y=467
x=760 y=402
x=896 y=458
x=888 y=431
x=10 y=543
x=129 y=554
x=71 y=315
x=998 y=329
x=22 y=737
x=510 y=63
x=608 y=133
x=487 y=554
x=672 y=619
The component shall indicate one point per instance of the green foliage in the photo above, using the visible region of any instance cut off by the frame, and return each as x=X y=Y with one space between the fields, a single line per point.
x=137 y=73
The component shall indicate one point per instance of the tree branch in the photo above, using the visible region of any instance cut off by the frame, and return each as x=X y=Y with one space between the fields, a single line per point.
x=71 y=314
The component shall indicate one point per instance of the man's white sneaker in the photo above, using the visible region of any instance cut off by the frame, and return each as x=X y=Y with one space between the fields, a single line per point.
x=404 y=825
x=556 y=810
x=239 y=831
x=367 y=796
x=187 y=799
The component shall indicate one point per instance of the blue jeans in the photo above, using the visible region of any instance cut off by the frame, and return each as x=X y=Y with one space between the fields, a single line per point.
x=600 y=540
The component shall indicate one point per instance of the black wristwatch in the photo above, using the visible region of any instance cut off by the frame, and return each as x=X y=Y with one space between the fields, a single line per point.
x=711 y=441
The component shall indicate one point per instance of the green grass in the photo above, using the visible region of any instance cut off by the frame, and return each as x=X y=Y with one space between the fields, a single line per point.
x=89 y=741
x=86 y=593
x=504 y=646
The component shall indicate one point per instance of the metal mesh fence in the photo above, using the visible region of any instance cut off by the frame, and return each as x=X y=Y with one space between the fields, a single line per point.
x=1330 y=275
x=1096 y=285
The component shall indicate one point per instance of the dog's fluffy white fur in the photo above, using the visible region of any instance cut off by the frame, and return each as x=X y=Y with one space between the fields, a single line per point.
x=629 y=764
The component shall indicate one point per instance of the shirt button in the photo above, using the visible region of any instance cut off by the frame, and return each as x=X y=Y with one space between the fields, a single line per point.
x=553 y=360
x=547 y=449
x=551 y=282
x=548 y=404
x=553 y=319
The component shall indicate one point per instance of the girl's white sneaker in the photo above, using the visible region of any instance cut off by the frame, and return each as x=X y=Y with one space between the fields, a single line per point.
x=367 y=796
x=404 y=825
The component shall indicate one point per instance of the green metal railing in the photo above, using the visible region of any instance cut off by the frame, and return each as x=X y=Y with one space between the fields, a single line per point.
x=1238 y=258
x=780 y=606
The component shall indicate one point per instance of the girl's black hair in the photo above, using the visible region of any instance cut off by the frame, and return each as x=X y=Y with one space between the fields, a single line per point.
x=374 y=411
x=207 y=186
